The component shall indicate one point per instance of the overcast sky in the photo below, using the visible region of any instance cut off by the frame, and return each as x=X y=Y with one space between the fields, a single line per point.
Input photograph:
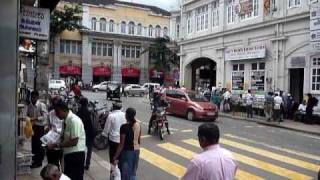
x=165 y=4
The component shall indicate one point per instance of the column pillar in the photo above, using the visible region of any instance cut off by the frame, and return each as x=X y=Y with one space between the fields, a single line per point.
x=86 y=59
x=116 y=65
x=210 y=17
x=56 y=58
x=144 y=63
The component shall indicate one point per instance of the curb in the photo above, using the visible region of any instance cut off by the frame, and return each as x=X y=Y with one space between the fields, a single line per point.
x=262 y=121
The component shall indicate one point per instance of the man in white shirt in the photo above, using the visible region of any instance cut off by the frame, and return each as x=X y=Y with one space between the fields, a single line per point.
x=249 y=102
x=214 y=163
x=51 y=172
x=112 y=128
x=277 y=107
x=37 y=112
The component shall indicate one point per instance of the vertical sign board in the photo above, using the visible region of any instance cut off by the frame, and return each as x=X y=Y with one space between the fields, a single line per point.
x=315 y=25
x=34 y=23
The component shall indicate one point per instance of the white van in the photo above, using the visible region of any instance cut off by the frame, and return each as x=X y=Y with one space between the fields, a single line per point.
x=147 y=85
x=57 y=84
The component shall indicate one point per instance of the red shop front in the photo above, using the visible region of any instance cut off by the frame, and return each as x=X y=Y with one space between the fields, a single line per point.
x=130 y=75
x=101 y=73
x=70 y=73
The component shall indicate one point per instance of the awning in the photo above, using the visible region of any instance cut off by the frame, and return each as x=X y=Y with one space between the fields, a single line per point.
x=101 y=71
x=72 y=70
x=153 y=73
x=130 y=72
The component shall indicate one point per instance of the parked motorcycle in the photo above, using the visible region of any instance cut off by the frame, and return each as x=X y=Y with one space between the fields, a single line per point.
x=99 y=116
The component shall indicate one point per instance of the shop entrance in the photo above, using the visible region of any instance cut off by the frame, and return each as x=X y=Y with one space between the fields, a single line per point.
x=203 y=73
x=296 y=84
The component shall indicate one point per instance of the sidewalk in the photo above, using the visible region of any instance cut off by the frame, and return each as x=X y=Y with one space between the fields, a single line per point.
x=99 y=168
x=287 y=124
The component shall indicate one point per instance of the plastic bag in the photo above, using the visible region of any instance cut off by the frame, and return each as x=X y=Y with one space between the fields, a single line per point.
x=115 y=173
x=28 y=131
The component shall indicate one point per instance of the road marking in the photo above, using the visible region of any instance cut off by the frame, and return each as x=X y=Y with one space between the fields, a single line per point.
x=100 y=161
x=240 y=175
x=162 y=163
x=261 y=165
x=271 y=155
x=302 y=154
x=187 y=130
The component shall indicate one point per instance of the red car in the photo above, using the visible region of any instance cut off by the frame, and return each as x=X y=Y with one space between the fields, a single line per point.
x=191 y=105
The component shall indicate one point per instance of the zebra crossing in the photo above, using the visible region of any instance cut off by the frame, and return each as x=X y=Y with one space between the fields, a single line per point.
x=257 y=161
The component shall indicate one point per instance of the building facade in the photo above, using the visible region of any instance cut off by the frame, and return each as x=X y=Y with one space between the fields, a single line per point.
x=114 y=44
x=263 y=45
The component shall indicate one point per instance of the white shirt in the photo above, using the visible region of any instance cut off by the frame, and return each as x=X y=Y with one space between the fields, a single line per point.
x=227 y=95
x=249 y=99
x=113 y=124
x=64 y=177
x=215 y=163
x=39 y=111
x=278 y=100
x=302 y=107
x=55 y=123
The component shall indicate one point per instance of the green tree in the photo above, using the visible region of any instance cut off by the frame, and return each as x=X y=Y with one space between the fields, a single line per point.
x=68 y=18
x=165 y=57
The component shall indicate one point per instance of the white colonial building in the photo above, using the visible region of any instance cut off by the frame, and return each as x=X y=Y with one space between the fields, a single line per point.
x=248 y=44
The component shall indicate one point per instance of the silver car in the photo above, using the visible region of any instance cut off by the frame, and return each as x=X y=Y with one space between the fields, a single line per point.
x=134 y=89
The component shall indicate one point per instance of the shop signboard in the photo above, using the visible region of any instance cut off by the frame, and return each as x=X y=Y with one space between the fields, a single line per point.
x=237 y=80
x=257 y=80
x=34 y=23
x=315 y=25
x=248 y=52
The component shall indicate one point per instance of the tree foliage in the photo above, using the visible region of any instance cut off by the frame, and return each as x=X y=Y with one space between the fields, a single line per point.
x=164 y=57
x=68 y=18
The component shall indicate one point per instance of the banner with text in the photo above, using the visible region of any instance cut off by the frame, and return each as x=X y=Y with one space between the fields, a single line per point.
x=249 y=52
x=34 y=23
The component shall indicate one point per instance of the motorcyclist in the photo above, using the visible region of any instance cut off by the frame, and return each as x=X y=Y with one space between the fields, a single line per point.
x=158 y=102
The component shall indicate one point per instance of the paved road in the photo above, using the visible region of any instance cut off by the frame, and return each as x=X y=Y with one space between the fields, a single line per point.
x=262 y=152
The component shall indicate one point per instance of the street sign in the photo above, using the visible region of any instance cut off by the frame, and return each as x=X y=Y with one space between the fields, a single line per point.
x=34 y=23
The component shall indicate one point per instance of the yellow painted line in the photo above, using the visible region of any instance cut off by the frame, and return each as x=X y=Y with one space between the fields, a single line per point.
x=187 y=130
x=262 y=165
x=302 y=154
x=271 y=155
x=240 y=175
x=162 y=163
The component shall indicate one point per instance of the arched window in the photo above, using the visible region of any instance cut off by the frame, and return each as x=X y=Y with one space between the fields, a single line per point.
x=94 y=24
x=123 y=27
x=139 y=29
x=111 y=25
x=150 y=30
x=158 y=30
x=103 y=24
x=131 y=27
x=165 y=31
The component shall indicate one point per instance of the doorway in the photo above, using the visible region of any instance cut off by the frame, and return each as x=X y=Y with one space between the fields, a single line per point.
x=296 y=84
x=203 y=73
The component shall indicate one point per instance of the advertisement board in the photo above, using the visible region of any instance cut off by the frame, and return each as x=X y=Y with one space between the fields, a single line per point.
x=238 y=80
x=34 y=23
x=257 y=80
x=249 y=52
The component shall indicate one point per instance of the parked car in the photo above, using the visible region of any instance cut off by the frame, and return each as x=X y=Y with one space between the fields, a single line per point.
x=134 y=89
x=191 y=105
x=57 y=84
x=100 y=87
x=146 y=86
x=114 y=90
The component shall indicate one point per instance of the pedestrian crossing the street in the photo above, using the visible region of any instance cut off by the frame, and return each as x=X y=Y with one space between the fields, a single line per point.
x=264 y=161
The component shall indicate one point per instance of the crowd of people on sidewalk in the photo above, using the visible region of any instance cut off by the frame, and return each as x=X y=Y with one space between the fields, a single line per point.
x=73 y=145
x=275 y=106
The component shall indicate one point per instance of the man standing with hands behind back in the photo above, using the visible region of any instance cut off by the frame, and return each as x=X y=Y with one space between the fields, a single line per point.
x=37 y=112
x=73 y=142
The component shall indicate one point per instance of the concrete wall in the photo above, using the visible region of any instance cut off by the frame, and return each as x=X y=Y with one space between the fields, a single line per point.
x=8 y=98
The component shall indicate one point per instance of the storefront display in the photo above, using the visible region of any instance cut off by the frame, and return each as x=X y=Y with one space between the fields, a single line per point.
x=257 y=81
x=238 y=81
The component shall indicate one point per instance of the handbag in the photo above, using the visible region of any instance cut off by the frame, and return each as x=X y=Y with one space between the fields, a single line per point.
x=115 y=173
